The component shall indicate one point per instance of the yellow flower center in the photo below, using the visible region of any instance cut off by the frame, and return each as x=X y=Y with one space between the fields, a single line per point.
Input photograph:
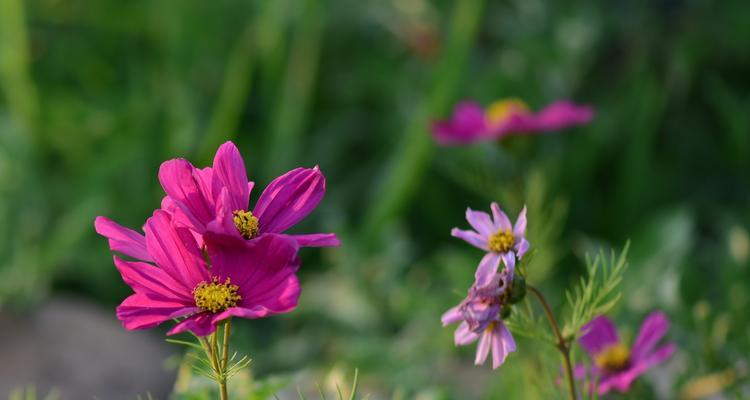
x=613 y=358
x=500 y=110
x=501 y=241
x=246 y=223
x=215 y=296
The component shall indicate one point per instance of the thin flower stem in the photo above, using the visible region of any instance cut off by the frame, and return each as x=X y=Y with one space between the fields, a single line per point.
x=227 y=333
x=562 y=344
x=212 y=353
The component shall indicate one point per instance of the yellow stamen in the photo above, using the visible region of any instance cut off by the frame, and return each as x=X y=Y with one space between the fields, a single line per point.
x=215 y=297
x=501 y=241
x=500 y=110
x=613 y=358
x=246 y=223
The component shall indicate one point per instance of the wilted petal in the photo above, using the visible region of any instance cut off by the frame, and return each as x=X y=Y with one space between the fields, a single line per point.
x=451 y=316
x=463 y=335
x=121 y=239
x=289 y=199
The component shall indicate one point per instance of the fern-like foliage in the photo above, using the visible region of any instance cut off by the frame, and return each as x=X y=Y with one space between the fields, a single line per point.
x=597 y=293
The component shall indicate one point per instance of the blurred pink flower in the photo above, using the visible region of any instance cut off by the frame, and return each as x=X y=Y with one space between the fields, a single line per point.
x=255 y=280
x=495 y=235
x=480 y=319
x=614 y=365
x=471 y=123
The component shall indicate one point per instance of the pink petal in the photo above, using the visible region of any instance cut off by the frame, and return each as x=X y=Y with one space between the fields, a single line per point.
x=467 y=125
x=229 y=169
x=264 y=269
x=463 y=335
x=471 y=237
x=521 y=247
x=660 y=355
x=175 y=250
x=451 y=316
x=121 y=239
x=556 y=116
x=289 y=199
x=487 y=269
x=483 y=349
x=502 y=344
x=222 y=228
x=654 y=328
x=598 y=334
x=177 y=179
x=481 y=222
x=509 y=258
x=138 y=311
x=201 y=324
x=519 y=230
x=501 y=220
x=317 y=240
x=153 y=282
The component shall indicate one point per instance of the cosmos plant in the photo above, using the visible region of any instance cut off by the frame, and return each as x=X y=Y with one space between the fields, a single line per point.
x=489 y=316
x=206 y=258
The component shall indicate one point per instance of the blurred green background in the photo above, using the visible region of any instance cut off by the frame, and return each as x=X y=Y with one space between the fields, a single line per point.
x=95 y=95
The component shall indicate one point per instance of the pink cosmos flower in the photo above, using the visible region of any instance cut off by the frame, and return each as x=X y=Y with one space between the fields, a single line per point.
x=471 y=123
x=216 y=199
x=251 y=281
x=495 y=235
x=480 y=319
x=614 y=365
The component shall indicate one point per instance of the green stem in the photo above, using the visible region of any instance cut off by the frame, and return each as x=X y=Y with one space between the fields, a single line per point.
x=212 y=353
x=227 y=333
x=562 y=344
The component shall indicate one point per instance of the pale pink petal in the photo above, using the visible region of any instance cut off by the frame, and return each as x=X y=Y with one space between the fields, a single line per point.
x=121 y=239
x=501 y=220
x=521 y=247
x=487 y=269
x=481 y=222
x=483 y=349
x=463 y=335
x=229 y=168
x=509 y=258
x=502 y=344
x=289 y=199
x=519 y=230
x=471 y=237
x=451 y=316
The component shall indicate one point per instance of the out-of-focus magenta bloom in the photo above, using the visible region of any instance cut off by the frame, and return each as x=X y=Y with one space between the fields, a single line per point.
x=255 y=280
x=495 y=235
x=614 y=365
x=471 y=123
x=480 y=319
x=216 y=199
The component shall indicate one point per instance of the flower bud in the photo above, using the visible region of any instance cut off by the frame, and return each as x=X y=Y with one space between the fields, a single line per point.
x=517 y=290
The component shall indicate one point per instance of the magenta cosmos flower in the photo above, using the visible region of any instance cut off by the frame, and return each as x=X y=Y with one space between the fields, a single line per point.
x=216 y=199
x=614 y=365
x=251 y=281
x=480 y=319
x=471 y=123
x=495 y=235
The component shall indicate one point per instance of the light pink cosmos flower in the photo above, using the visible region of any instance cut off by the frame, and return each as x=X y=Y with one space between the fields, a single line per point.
x=495 y=235
x=480 y=319
x=216 y=199
x=471 y=123
x=255 y=280
x=614 y=365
